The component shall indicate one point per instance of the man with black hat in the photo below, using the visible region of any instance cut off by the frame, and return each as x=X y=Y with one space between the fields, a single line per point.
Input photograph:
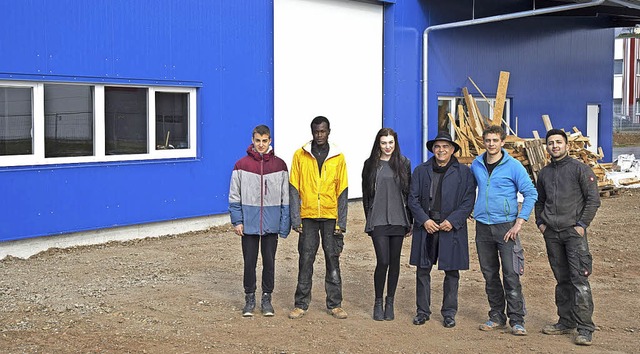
x=441 y=199
x=500 y=178
x=568 y=199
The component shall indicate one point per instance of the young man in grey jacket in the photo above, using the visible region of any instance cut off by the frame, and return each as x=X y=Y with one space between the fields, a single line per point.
x=568 y=199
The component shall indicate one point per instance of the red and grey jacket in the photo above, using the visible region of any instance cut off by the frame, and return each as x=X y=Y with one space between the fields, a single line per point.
x=259 y=194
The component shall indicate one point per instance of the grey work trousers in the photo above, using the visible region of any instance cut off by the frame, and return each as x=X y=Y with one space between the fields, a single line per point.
x=308 y=243
x=494 y=253
x=571 y=263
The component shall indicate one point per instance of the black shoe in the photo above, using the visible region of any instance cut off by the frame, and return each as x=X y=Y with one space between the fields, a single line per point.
x=388 y=309
x=249 y=305
x=449 y=322
x=377 y=310
x=584 y=337
x=265 y=305
x=420 y=319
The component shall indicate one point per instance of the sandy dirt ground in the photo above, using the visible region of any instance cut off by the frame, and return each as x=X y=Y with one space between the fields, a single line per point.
x=183 y=294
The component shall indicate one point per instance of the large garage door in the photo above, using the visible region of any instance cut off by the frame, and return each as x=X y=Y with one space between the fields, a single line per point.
x=328 y=61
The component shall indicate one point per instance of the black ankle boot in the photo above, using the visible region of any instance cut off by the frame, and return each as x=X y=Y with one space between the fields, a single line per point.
x=388 y=309
x=249 y=305
x=377 y=310
x=265 y=305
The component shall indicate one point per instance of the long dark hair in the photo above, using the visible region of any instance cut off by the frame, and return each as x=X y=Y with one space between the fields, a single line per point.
x=395 y=162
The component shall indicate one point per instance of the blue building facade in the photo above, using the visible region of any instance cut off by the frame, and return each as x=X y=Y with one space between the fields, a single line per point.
x=218 y=55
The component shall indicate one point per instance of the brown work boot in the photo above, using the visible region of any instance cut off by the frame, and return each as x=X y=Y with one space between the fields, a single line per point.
x=557 y=328
x=338 y=313
x=297 y=313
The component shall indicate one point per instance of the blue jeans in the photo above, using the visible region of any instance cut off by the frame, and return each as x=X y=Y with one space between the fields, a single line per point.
x=495 y=254
x=308 y=243
x=571 y=263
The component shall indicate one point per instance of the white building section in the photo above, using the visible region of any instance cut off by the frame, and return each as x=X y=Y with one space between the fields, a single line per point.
x=328 y=62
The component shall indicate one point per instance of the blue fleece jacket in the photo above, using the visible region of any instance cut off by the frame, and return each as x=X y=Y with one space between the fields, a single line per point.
x=497 y=200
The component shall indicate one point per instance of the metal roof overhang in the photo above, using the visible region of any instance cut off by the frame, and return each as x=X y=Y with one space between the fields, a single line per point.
x=613 y=13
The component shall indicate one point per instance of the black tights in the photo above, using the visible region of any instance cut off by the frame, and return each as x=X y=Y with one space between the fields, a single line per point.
x=388 y=249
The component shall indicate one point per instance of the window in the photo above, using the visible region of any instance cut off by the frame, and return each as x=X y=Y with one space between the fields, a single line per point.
x=53 y=123
x=617 y=105
x=617 y=67
x=68 y=120
x=452 y=105
x=125 y=120
x=172 y=120
x=16 y=121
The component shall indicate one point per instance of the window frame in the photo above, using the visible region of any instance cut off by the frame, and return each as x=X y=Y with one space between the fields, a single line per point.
x=492 y=101
x=99 y=155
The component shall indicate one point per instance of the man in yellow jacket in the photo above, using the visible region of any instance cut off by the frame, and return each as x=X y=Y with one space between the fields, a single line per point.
x=318 y=205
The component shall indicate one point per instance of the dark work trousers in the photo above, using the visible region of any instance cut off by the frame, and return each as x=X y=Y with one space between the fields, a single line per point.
x=449 y=292
x=308 y=243
x=493 y=254
x=388 y=250
x=250 y=245
x=571 y=263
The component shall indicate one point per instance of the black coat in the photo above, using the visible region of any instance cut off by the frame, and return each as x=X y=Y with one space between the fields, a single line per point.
x=458 y=197
x=369 y=174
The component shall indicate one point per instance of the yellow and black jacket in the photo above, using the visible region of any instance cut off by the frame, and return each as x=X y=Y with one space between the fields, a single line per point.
x=315 y=195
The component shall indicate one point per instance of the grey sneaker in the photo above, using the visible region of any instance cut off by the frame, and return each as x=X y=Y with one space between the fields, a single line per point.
x=584 y=337
x=490 y=325
x=249 y=305
x=265 y=305
x=557 y=328
x=518 y=330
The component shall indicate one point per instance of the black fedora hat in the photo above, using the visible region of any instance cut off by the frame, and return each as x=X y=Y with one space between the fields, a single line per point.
x=443 y=136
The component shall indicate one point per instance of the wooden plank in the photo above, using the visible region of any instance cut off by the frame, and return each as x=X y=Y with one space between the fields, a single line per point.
x=501 y=97
x=495 y=120
x=547 y=122
x=472 y=112
x=480 y=91
x=479 y=117
x=461 y=118
x=536 y=135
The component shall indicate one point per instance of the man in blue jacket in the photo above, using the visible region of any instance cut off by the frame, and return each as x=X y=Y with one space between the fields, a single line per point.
x=500 y=178
x=259 y=208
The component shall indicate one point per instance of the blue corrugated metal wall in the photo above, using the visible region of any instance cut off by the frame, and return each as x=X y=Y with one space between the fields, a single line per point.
x=558 y=66
x=226 y=48
x=402 y=103
x=223 y=46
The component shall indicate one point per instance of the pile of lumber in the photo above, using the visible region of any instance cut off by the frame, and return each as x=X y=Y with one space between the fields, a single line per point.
x=531 y=152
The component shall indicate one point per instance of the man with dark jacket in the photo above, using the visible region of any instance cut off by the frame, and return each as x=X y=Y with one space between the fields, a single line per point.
x=441 y=199
x=259 y=208
x=568 y=199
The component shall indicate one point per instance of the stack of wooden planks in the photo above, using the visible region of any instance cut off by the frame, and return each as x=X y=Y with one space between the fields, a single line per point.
x=530 y=152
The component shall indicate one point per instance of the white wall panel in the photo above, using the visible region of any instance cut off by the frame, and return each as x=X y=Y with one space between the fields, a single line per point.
x=617 y=86
x=328 y=61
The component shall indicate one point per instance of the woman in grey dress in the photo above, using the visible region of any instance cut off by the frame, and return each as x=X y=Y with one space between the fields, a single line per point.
x=385 y=186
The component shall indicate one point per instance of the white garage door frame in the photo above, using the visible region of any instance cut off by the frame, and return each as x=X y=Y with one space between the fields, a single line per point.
x=328 y=60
